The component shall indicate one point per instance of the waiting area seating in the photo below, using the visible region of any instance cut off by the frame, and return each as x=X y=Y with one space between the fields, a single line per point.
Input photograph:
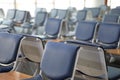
x=60 y=64
x=111 y=18
x=92 y=65
x=9 y=46
x=31 y=52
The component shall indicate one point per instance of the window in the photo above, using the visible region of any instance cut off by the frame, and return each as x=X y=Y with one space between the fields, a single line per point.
x=7 y=4
x=48 y=4
x=28 y=5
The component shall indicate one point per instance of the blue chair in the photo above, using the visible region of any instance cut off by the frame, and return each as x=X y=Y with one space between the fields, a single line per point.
x=108 y=35
x=58 y=65
x=115 y=11
x=62 y=14
x=85 y=32
x=81 y=15
x=8 y=21
x=32 y=50
x=95 y=13
x=53 y=13
x=9 y=45
x=52 y=29
x=37 y=26
x=92 y=64
x=111 y=18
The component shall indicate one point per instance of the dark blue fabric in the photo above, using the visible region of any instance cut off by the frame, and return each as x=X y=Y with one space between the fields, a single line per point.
x=9 y=44
x=52 y=27
x=111 y=18
x=81 y=15
x=5 y=68
x=85 y=30
x=115 y=11
x=113 y=73
x=108 y=33
x=58 y=60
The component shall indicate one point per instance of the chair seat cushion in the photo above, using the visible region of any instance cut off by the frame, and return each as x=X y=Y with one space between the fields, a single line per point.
x=37 y=77
x=113 y=73
x=5 y=68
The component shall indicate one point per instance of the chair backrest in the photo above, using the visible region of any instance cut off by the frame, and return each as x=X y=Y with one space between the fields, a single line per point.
x=115 y=11
x=11 y=14
x=91 y=62
x=40 y=18
x=9 y=45
x=111 y=18
x=85 y=30
x=58 y=60
x=95 y=11
x=108 y=33
x=62 y=14
x=20 y=16
x=32 y=50
x=1 y=13
x=53 y=27
x=53 y=13
x=40 y=10
x=81 y=15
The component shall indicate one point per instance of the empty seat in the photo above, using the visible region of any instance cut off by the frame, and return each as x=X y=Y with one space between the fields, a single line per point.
x=32 y=50
x=37 y=27
x=58 y=65
x=52 y=29
x=85 y=32
x=53 y=13
x=111 y=18
x=19 y=17
x=9 y=46
x=92 y=65
x=96 y=13
x=11 y=14
x=115 y=11
x=108 y=35
x=8 y=21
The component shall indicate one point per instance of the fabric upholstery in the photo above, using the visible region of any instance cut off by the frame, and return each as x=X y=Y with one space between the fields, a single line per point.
x=111 y=18
x=53 y=26
x=108 y=33
x=85 y=30
x=58 y=60
x=9 y=44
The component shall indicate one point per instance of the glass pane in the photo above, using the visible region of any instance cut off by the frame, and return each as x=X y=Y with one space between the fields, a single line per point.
x=79 y=4
x=28 y=5
x=6 y=4
x=114 y=3
x=48 y=4
x=62 y=4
